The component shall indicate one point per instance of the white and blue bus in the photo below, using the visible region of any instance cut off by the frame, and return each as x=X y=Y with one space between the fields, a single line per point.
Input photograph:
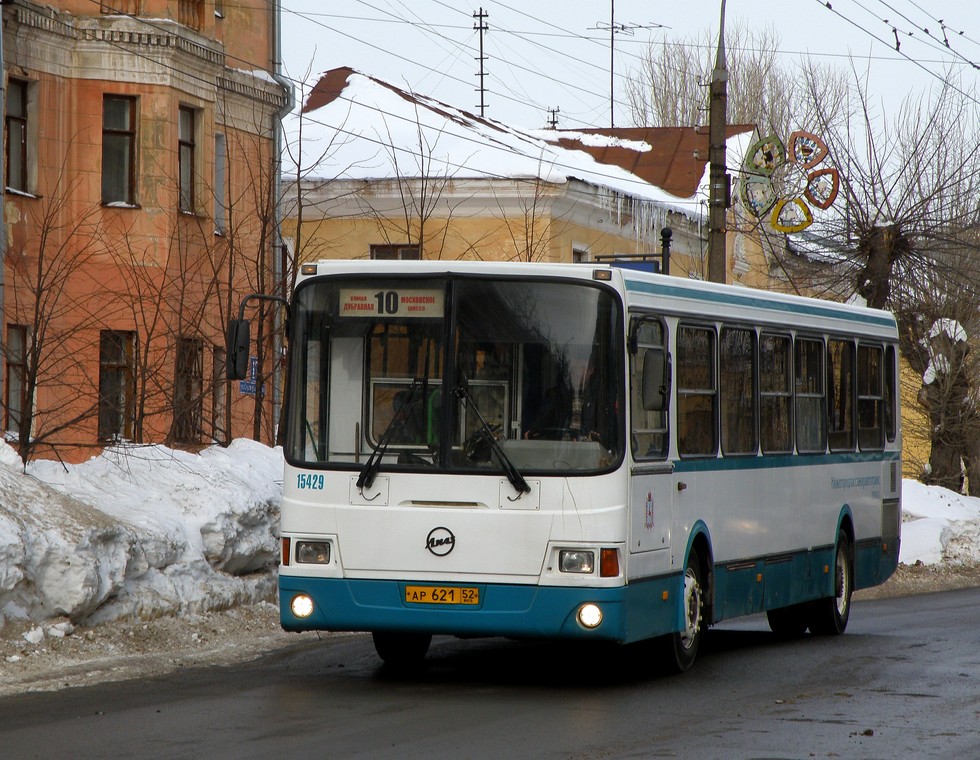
x=581 y=452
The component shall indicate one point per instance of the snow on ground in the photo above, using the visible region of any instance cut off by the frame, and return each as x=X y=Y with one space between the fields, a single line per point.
x=144 y=532
x=138 y=532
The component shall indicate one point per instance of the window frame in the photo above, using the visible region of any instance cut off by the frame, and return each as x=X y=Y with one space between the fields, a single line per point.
x=783 y=397
x=188 y=412
x=815 y=398
x=22 y=121
x=187 y=159
x=726 y=400
x=16 y=377
x=125 y=194
x=396 y=252
x=637 y=352
x=123 y=366
x=688 y=394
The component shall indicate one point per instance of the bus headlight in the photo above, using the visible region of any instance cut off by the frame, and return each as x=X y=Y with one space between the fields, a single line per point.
x=576 y=561
x=313 y=552
x=589 y=615
x=301 y=606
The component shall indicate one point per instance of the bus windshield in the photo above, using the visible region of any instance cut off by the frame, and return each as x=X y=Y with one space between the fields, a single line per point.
x=456 y=374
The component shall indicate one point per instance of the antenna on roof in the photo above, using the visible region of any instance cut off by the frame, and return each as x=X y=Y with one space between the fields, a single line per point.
x=481 y=27
x=615 y=28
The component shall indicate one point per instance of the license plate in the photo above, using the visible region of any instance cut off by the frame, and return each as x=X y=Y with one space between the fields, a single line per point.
x=442 y=595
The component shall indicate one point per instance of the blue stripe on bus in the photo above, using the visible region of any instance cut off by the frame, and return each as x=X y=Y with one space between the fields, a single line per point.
x=778 y=461
x=754 y=302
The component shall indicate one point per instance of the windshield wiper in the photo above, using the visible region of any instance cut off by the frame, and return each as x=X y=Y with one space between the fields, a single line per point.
x=370 y=469
x=510 y=469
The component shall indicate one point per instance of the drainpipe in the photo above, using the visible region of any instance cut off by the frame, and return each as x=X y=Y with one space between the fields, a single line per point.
x=278 y=245
x=3 y=225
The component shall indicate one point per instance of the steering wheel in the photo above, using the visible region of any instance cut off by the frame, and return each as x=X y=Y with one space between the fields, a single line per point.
x=554 y=434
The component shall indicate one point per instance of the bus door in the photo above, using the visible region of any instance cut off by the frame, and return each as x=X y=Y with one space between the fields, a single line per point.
x=651 y=474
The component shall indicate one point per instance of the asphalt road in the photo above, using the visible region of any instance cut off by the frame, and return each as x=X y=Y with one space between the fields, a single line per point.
x=904 y=681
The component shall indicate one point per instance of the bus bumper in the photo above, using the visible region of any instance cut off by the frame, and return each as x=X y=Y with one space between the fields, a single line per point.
x=519 y=611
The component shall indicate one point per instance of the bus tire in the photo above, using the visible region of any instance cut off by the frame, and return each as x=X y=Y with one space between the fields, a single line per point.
x=681 y=647
x=400 y=649
x=788 y=622
x=828 y=616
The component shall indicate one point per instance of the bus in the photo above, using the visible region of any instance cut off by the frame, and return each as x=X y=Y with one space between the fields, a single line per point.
x=579 y=451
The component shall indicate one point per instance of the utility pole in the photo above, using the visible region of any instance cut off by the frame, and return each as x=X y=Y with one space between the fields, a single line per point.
x=719 y=190
x=481 y=27
x=553 y=117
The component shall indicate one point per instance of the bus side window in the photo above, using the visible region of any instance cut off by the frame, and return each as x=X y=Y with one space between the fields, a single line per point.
x=811 y=417
x=697 y=392
x=776 y=394
x=870 y=398
x=840 y=398
x=891 y=393
x=737 y=362
x=649 y=390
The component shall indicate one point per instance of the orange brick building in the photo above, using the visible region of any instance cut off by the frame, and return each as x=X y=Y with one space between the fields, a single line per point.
x=139 y=145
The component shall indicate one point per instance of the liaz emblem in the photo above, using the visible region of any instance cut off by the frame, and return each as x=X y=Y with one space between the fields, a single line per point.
x=440 y=541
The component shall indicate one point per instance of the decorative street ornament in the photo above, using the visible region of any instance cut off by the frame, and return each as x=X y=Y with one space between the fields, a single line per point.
x=777 y=179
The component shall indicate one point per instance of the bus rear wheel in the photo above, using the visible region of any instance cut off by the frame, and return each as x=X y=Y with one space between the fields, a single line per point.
x=828 y=616
x=681 y=648
x=400 y=649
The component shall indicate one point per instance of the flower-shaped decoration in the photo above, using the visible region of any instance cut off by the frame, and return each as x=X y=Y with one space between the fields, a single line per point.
x=778 y=182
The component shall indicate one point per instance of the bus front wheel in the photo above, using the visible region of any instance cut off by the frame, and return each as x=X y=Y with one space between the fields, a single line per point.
x=828 y=616
x=401 y=649
x=681 y=648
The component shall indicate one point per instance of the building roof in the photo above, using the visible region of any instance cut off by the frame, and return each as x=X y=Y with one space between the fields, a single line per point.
x=366 y=128
x=675 y=162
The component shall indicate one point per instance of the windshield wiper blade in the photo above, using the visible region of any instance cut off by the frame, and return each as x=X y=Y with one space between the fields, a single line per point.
x=370 y=469
x=510 y=469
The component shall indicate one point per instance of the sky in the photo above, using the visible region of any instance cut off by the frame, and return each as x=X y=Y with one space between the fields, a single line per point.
x=556 y=55
x=146 y=531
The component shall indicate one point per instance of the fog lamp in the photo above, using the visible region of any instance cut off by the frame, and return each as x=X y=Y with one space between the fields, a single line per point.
x=313 y=552
x=302 y=606
x=589 y=615
x=576 y=561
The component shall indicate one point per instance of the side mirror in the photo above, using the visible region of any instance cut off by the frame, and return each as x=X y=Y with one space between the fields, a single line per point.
x=238 y=342
x=656 y=380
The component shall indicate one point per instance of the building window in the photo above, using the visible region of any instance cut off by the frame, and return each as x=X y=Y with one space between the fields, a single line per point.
x=16 y=178
x=117 y=384
x=220 y=179
x=403 y=252
x=188 y=390
x=186 y=159
x=580 y=254
x=118 y=150
x=16 y=385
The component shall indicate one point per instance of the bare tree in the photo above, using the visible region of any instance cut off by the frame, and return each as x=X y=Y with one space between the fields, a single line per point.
x=58 y=301
x=670 y=86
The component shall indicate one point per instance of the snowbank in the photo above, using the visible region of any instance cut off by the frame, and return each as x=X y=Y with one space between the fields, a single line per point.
x=140 y=531
x=146 y=531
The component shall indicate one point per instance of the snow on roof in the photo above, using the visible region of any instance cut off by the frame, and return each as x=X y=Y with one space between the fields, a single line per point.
x=369 y=129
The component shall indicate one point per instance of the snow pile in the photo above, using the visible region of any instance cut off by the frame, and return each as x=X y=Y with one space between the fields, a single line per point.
x=140 y=531
x=939 y=526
